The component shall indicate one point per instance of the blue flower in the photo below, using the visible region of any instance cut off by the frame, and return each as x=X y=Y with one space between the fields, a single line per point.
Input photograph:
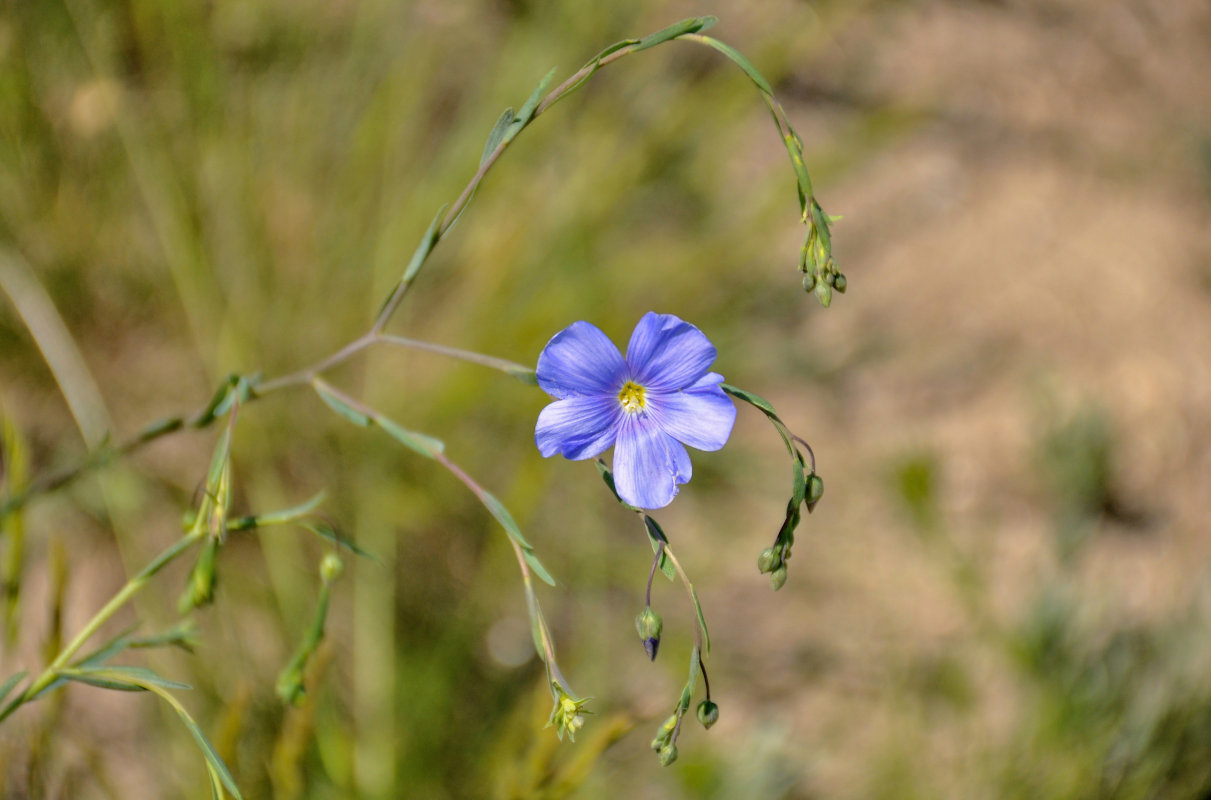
x=647 y=406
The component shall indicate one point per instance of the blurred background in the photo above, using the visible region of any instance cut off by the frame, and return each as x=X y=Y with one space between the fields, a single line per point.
x=1004 y=591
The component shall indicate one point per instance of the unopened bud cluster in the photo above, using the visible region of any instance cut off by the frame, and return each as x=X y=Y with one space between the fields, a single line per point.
x=665 y=743
x=820 y=274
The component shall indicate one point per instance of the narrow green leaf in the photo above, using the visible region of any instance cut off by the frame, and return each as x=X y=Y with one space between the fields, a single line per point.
x=706 y=636
x=805 y=182
x=656 y=537
x=753 y=73
x=526 y=112
x=213 y=761
x=425 y=247
x=427 y=446
x=331 y=534
x=218 y=461
x=537 y=566
x=341 y=407
x=754 y=400
x=107 y=651
x=282 y=517
x=11 y=683
x=608 y=477
x=798 y=484
x=101 y=682
x=536 y=622
x=498 y=510
x=211 y=411
x=141 y=678
x=692 y=25
x=498 y=133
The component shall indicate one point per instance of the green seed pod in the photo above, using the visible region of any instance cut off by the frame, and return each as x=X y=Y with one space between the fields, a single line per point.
x=331 y=568
x=777 y=578
x=708 y=713
x=769 y=560
x=815 y=490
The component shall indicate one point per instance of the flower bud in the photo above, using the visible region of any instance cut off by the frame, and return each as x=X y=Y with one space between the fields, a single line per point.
x=199 y=588
x=769 y=560
x=815 y=490
x=708 y=713
x=668 y=754
x=649 y=625
x=331 y=567
x=777 y=578
x=839 y=283
x=809 y=282
x=824 y=293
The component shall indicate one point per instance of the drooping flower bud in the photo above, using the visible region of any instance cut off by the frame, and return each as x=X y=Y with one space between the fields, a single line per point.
x=769 y=560
x=815 y=490
x=331 y=567
x=708 y=713
x=777 y=578
x=668 y=754
x=649 y=624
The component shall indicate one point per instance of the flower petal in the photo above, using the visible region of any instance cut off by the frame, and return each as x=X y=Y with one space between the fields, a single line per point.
x=580 y=360
x=578 y=427
x=648 y=464
x=702 y=416
x=667 y=353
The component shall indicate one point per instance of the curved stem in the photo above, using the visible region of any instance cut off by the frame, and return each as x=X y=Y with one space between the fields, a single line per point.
x=519 y=371
x=689 y=587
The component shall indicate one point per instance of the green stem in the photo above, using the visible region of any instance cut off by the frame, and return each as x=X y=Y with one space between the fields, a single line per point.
x=132 y=587
x=689 y=588
x=519 y=371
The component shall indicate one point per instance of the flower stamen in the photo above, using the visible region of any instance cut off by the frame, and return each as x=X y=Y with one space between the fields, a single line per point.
x=631 y=397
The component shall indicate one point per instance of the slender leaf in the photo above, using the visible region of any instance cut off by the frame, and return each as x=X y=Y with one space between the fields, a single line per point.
x=282 y=517
x=107 y=651
x=101 y=682
x=536 y=622
x=537 y=566
x=498 y=510
x=425 y=247
x=657 y=538
x=692 y=25
x=608 y=477
x=331 y=534
x=213 y=762
x=497 y=134
x=219 y=461
x=11 y=683
x=526 y=112
x=753 y=73
x=798 y=485
x=142 y=675
x=341 y=407
x=427 y=446
x=706 y=636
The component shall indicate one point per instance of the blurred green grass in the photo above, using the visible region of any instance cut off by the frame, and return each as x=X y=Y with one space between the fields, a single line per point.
x=215 y=187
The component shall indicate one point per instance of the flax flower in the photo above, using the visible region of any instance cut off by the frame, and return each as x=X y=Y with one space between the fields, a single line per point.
x=647 y=406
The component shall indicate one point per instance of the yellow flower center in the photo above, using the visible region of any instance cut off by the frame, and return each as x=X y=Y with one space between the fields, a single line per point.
x=631 y=397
